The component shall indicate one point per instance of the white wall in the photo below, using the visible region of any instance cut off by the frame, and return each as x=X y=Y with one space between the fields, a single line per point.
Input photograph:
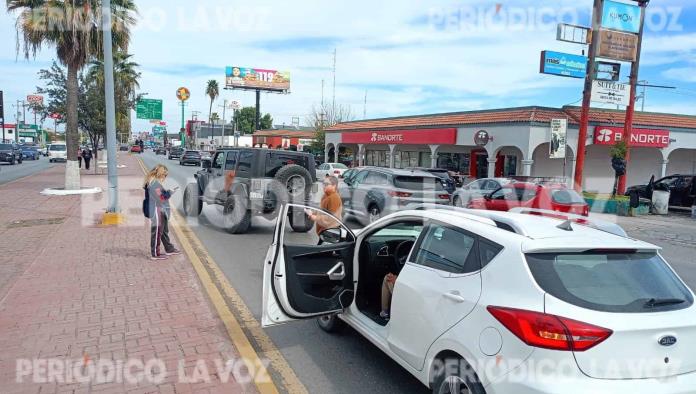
x=682 y=161
x=546 y=167
x=599 y=175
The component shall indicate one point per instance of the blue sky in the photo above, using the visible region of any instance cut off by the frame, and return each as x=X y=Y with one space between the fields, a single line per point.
x=409 y=57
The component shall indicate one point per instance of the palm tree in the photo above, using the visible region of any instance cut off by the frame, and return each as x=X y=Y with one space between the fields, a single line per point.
x=72 y=27
x=213 y=91
x=126 y=82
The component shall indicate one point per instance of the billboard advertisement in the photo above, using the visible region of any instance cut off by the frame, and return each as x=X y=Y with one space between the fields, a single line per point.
x=559 y=132
x=256 y=78
x=563 y=64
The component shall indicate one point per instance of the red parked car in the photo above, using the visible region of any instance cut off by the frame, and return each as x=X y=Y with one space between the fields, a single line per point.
x=135 y=149
x=553 y=197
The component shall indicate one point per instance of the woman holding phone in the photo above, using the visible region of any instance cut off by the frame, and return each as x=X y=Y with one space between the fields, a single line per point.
x=159 y=213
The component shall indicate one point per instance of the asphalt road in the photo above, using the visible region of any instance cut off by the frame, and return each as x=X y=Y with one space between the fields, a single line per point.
x=9 y=172
x=346 y=362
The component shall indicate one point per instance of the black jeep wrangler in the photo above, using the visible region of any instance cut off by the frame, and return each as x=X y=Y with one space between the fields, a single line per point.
x=265 y=179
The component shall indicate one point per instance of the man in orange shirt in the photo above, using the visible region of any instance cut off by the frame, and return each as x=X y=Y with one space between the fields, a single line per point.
x=331 y=203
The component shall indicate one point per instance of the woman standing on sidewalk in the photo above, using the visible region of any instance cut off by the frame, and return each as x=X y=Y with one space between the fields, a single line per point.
x=159 y=212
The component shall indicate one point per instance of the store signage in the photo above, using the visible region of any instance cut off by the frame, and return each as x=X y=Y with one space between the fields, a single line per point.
x=563 y=64
x=648 y=138
x=481 y=138
x=572 y=33
x=617 y=46
x=613 y=93
x=35 y=99
x=558 y=142
x=607 y=71
x=401 y=137
x=183 y=94
x=621 y=16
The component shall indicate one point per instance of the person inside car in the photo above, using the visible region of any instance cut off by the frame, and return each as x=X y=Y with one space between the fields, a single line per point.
x=387 y=292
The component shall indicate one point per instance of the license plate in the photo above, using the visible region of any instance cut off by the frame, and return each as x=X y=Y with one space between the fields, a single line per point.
x=256 y=195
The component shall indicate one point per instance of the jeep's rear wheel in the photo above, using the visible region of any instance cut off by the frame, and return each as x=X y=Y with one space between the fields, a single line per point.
x=235 y=215
x=193 y=205
x=296 y=180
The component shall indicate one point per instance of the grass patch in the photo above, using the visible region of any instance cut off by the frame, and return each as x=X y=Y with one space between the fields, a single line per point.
x=607 y=197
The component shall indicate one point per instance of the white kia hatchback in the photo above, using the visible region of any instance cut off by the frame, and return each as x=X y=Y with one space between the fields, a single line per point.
x=494 y=302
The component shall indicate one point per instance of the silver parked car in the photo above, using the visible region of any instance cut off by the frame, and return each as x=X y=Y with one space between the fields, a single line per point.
x=375 y=192
x=477 y=189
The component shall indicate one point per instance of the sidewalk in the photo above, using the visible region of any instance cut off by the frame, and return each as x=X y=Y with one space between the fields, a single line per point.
x=77 y=298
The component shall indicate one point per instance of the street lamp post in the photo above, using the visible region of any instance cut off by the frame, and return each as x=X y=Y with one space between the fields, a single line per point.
x=110 y=108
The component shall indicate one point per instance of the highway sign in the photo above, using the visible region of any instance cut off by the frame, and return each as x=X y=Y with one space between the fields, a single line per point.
x=149 y=109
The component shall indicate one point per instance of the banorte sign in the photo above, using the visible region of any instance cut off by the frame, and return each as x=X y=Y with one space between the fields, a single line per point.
x=648 y=138
x=403 y=137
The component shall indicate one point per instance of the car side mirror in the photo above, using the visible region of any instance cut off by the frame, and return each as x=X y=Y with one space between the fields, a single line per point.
x=332 y=235
x=206 y=164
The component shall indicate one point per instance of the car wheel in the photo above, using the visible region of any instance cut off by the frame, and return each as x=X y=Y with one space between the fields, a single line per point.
x=373 y=213
x=453 y=375
x=236 y=217
x=299 y=222
x=330 y=323
x=192 y=202
x=12 y=162
x=297 y=182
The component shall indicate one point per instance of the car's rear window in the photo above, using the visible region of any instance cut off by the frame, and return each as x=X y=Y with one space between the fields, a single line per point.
x=418 y=183
x=275 y=161
x=193 y=152
x=564 y=196
x=58 y=148
x=339 y=165
x=621 y=282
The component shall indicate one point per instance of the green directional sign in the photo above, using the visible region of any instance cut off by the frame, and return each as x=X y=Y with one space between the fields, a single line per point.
x=149 y=109
x=159 y=130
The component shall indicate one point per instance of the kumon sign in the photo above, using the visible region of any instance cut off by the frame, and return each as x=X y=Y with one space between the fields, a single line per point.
x=648 y=138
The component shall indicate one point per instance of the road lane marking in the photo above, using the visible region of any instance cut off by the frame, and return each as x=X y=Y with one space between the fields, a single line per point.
x=216 y=286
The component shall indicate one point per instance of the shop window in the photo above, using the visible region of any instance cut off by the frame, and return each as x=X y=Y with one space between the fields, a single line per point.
x=510 y=167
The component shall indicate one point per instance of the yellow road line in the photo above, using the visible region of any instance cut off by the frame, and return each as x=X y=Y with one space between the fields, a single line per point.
x=200 y=259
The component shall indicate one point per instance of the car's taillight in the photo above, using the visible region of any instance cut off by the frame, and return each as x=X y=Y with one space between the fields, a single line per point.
x=337 y=172
x=586 y=210
x=400 y=194
x=550 y=331
x=443 y=196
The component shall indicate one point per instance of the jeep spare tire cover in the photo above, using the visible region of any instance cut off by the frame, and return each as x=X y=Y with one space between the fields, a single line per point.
x=296 y=180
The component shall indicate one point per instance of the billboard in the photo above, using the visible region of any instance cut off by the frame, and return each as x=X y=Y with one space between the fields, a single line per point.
x=256 y=78
x=557 y=145
x=621 y=16
x=617 y=46
x=563 y=64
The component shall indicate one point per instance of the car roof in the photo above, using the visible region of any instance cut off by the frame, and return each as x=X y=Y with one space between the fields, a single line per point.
x=402 y=172
x=536 y=233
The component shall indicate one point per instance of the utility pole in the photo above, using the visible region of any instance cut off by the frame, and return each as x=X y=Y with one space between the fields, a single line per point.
x=224 y=110
x=633 y=81
x=587 y=94
x=194 y=117
x=2 y=114
x=333 y=100
x=258 y=109
x=322 y=93
x=107 y=44
x=365 y=106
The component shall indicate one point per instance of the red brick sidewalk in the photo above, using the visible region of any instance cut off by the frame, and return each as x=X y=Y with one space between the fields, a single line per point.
x=74 y=293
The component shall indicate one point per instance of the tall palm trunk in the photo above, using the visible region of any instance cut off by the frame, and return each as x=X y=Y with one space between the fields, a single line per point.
x=72 y=169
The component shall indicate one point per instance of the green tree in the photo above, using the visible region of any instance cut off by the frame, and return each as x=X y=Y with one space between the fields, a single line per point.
x=126 y=82
x=212 y=90
x=246 y=120
x=323 y=117
x=70 y=26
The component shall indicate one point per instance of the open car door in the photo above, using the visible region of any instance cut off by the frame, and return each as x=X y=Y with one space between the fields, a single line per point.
x=306 y=275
